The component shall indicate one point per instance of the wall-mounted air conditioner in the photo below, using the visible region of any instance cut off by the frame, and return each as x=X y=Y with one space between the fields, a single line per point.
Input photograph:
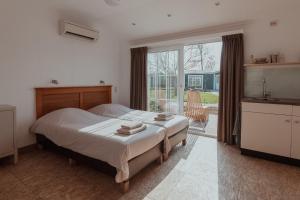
x=75 y=30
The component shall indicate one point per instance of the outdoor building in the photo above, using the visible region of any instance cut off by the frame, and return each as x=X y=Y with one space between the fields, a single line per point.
x=207 y=82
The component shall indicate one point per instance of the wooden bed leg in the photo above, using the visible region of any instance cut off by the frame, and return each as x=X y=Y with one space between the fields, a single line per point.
x=165 y=156
x=184 y=142
x=160 y=160
x=72 y=162
x=125 y=186
x=40 y=146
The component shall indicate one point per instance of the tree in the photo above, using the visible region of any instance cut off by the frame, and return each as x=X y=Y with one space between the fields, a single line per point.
x=163 y=63
x=199 y=58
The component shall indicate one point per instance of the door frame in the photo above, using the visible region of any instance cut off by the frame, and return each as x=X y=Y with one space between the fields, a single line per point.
x=181 y=75
x=180 y=80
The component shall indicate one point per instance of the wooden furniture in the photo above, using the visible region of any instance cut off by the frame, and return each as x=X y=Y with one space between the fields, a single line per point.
x=54 y=98
x=290 y=64
x=7 y=132
x=194 y=108
x=295 y=146
x=50 y=99
x=272 y=129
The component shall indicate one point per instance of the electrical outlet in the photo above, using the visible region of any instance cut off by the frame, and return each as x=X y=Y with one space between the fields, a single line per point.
x=274 y=23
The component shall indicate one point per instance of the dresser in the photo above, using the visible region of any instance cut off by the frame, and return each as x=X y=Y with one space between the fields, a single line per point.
x=7 y=132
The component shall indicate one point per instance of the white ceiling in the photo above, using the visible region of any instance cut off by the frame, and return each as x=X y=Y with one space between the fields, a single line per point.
x=151 y=18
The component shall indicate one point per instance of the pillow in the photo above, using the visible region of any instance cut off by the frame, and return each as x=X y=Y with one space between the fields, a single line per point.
x=67 y=117
x=111 y=110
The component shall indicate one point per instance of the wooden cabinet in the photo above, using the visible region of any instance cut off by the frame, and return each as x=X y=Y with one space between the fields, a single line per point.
x=295 y=148
x=271 y=128
x=267 y=133
x=267 y=128
x=296 y=111
x=7 y=132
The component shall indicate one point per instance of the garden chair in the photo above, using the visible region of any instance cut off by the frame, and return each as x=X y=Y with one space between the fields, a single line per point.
x=195 y=109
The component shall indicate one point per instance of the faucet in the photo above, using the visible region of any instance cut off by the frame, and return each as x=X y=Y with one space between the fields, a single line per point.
x=265 y=94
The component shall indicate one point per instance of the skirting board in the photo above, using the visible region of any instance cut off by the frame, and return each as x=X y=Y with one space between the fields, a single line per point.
x=271 y=157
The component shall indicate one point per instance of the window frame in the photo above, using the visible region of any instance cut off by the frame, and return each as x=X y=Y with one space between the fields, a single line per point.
x=194 y=76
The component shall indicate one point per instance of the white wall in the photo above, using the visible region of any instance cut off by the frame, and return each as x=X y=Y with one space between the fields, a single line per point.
x=260 y=40
x=125 y=58
x=32 y=53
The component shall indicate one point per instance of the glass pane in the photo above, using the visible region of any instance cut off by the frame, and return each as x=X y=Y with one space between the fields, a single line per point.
x=162 y=81
x=201 y=91
x=202 y=71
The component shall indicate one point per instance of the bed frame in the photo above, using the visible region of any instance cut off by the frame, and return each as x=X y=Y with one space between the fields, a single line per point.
x=54 y=98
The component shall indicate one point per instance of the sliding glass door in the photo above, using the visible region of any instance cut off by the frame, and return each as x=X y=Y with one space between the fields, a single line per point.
x=163 y=76
x=185 y=80
x=201 y=91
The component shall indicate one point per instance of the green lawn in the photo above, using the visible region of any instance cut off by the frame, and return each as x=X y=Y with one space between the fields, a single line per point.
x=207 y=97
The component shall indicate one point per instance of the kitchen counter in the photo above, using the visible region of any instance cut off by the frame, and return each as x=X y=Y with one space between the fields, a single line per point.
x=295 y=102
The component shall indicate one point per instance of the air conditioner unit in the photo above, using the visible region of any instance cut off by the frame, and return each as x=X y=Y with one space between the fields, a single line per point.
x=75 y=30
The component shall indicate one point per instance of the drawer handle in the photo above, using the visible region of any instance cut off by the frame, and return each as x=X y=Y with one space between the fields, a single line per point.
x=288 y=121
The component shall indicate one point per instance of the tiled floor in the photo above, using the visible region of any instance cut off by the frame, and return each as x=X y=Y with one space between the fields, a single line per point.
x=204 y=169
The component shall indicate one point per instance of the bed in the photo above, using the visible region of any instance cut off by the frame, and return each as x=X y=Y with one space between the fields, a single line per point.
x=176 y=128
x=63 y=122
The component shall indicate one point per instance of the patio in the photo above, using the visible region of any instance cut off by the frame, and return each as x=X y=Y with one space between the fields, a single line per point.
x=210 y=130
x=209 y=100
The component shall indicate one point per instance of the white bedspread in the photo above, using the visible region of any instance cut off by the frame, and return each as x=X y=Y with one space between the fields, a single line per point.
x=96 y=137
x=172 y=126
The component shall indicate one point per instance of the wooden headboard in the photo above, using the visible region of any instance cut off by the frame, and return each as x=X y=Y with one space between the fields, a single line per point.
x=54 y=98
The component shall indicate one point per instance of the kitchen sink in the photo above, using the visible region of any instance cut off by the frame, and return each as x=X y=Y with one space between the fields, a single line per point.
x=265 y=99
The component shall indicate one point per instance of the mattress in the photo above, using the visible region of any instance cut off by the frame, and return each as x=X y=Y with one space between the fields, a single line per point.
x=95 y=136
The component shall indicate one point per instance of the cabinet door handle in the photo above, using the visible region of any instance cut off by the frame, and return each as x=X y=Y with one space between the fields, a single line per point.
x=297 y=122
x=287 y=121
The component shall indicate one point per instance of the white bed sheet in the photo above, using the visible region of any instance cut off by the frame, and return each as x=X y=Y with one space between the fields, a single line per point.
x=118 y=111
x=96 y=137
x=121 y=112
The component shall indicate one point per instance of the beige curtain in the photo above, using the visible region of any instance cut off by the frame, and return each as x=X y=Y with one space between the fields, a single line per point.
x=231 y=88
x=138 y=84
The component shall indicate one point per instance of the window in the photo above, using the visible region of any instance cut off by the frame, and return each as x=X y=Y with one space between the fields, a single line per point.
x=173 y=70
x=217 y=82
x=195 y=81
x=162 y=75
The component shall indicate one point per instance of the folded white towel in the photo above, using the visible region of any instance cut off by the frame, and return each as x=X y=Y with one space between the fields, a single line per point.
x=131 y=125
x=163 y=118
x=132 y=131
x=164 y=114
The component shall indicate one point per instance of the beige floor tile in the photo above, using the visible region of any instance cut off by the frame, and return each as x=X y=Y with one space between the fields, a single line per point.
x=166 y=186
x=203 y=169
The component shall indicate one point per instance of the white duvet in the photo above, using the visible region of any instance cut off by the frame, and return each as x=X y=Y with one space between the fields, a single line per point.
x=118 y=111
x=96 y=137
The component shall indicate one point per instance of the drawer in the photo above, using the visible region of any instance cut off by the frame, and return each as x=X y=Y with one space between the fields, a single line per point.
x=267 y=108
x=296 y=111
